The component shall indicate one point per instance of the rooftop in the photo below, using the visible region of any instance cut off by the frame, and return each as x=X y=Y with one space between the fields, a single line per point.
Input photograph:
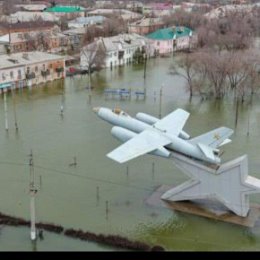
x=88 y=20
x=25 y=58
x=26 y=25
x=123 y=41
x=64 y=9
x=169 y=33
x=147 y=22
x=19 y=37
x=32 y=7
x=22 y=16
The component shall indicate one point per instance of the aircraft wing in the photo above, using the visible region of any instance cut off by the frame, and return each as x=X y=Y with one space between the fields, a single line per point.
x=214 y=138
x=174 y=122
x=145 y=142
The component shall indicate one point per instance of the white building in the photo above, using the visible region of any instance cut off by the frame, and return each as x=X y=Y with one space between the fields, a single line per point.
x=29 y=68
x=81 y=22
x=32 y=7
x=125 y=14
x=120 y=49
x=31 y=16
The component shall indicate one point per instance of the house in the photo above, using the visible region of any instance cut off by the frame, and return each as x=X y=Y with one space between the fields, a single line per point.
x=103 y=4
x=69 y=11
x=80 y=22
x=6 y=28
x=53 y=41
x=32 y=7
x=29 y=68
x=75 y=37
x=22 y=16
x=156 y=7
x=135 y=6
x=145 y=26
x=120 y=49
x=171 y=39
x=125 y=14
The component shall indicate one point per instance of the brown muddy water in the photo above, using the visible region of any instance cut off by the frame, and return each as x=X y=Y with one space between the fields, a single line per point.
x=67 y=195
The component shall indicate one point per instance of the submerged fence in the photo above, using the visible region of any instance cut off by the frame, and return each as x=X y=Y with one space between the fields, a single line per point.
x=111 y=240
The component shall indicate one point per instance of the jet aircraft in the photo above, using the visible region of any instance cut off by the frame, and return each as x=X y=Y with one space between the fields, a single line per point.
x=147 y=134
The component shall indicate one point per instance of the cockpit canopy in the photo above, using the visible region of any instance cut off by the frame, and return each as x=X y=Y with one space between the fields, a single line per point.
x=120 y=112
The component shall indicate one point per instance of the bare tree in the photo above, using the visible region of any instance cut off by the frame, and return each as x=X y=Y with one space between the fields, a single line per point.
x=31 y=42
x=212 y=66
x=93 y=57
x=185 y=67
x=232 y=32
x=43 y=41
x=114 y=26
x=9 y=7
x=191 y=20
x=91 y=32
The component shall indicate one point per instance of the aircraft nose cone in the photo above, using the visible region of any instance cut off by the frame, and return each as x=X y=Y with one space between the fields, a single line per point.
x=96 y=109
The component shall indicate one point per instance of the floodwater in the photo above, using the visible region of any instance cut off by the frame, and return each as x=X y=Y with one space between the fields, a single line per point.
x=67 y=195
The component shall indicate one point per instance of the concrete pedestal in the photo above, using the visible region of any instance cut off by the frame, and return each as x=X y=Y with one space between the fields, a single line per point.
x=210 y=209
x=230 y=184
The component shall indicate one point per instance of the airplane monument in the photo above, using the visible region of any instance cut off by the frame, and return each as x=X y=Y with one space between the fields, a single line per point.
x=198 y=157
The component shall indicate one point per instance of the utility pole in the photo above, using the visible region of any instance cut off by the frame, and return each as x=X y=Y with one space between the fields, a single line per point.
x=14 y=107
x=5 y=109
x=160 y=105
x=89 y=84
x=145 y=59
x=33 y=191
x=62 y=105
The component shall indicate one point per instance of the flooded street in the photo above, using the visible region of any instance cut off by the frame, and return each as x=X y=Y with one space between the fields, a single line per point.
x=67 y=194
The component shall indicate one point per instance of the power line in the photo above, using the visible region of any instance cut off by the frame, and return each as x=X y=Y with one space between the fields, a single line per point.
x=95 y=179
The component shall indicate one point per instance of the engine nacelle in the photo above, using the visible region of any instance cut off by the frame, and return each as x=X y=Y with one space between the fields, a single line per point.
x=124 y=135
x=150 y=120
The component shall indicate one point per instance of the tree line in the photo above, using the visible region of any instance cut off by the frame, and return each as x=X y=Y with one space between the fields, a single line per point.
x=227 y=58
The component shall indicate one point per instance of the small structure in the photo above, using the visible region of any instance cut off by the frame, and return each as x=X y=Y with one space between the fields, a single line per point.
x=118 y=93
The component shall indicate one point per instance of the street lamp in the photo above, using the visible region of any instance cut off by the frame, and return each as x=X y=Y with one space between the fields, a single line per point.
x=145 y=59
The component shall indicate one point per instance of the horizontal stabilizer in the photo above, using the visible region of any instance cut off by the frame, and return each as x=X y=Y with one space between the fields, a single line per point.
x=227 y=141
x=207 y=151
x=214 y=138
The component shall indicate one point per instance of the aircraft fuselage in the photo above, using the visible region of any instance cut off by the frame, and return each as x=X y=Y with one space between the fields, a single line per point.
x=177 y=144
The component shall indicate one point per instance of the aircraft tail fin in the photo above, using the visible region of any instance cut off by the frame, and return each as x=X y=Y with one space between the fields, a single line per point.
x=214 y=138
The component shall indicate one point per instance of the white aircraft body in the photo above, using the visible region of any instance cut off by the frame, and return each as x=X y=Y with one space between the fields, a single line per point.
x=148 y=134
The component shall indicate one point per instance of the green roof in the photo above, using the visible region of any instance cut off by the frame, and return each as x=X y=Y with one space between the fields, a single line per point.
x=64 y=9
x=168 y=33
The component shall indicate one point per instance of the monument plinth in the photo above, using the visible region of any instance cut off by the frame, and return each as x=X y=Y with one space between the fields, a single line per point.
x=221 y=193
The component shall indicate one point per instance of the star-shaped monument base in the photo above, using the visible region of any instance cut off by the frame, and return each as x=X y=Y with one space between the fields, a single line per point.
x=230 y=184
